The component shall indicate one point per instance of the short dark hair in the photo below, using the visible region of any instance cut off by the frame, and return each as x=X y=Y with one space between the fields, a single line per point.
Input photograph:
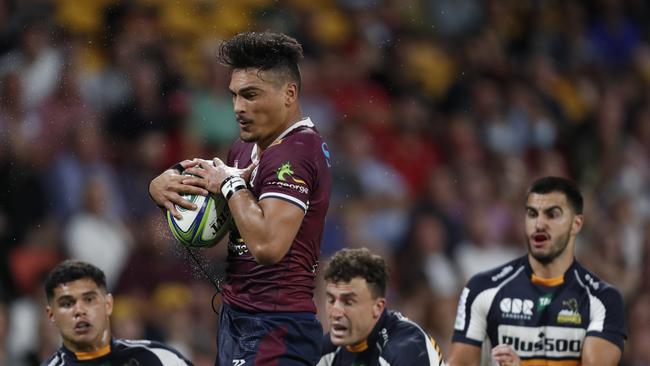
x=558 y=184
x=72 y=270
x=347 y=264
x=263 y=51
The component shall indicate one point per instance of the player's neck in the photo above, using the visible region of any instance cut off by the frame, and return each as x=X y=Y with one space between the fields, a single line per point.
x=555 y=268
x=101 y=345
x=292 y=118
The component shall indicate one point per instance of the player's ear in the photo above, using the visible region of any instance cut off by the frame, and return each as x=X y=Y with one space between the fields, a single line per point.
x=290 y=93
x=109 y=304
x=50 y=313
x=378 y=307
x=576 y=226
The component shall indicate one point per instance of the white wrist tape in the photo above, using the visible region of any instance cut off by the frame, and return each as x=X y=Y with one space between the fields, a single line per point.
x=231 y=185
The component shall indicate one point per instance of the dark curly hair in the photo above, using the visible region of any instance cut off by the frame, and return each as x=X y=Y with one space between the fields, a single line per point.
x=72 y=270
x=264 y=51
x=347 y=264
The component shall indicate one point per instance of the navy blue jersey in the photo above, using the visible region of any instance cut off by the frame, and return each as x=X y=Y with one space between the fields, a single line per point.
x=394 y=341
x=122 y=352
x=541 y=321
x=294 y=168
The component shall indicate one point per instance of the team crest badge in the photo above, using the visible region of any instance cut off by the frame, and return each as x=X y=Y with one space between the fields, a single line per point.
x=569 y=313
x=285 y=171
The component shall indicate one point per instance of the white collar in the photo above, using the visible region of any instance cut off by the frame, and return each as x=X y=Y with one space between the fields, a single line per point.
x=305 y=122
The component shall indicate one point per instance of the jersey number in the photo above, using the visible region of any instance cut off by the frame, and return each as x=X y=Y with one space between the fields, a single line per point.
x=238 y=362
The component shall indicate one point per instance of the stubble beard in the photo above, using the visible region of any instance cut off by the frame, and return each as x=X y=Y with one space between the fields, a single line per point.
x=557 y=248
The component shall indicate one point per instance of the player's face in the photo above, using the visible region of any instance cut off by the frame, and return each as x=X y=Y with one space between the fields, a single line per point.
x=551 y=225
x=261 y=103
x=351 y=311
x=81 y=311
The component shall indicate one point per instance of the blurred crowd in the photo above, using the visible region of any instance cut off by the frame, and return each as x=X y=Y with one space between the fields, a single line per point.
x=438 y=114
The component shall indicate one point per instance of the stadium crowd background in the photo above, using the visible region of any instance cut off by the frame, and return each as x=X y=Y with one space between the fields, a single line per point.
x=438 y=115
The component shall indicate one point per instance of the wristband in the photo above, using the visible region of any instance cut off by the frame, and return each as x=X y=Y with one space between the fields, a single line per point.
x=231 y=185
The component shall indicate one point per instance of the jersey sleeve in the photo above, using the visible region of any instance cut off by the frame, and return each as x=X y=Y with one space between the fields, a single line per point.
x=169 y=355
x=163 y=354
x=607 y=316
x=288 y=171
x=411 y=346
x=474 y=304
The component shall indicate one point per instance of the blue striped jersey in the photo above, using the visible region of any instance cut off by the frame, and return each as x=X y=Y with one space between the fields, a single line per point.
x=394 y=341
x=122 y=352
x=543 y=320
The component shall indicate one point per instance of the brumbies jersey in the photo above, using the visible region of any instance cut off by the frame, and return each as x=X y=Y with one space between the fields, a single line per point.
x=394 y=340
x=294 y=168
x=121 y=352
x=543 y=320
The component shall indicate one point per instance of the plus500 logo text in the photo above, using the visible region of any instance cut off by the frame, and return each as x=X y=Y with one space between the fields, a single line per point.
x=543 y=341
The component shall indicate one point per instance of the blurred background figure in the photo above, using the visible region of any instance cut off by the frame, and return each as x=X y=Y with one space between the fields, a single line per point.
x=438 y=115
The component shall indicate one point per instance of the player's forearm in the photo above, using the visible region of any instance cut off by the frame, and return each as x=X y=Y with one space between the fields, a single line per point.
x=255 y=228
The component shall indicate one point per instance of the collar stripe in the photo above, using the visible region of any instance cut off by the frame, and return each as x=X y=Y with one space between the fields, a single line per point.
x=83 y=356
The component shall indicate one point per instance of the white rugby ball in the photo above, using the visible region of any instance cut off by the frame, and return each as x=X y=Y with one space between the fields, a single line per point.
x=203 y=227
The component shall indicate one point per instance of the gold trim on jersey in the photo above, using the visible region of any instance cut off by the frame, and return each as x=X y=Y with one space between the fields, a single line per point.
x=548 y=282
x=83 y=356
x=542 y=362
x=356 y=348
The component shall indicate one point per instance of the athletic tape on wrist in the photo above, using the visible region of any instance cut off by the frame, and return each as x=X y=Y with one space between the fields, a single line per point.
x=231 y=185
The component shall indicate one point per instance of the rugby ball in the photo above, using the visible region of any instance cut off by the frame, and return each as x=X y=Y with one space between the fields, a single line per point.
x=203 y=227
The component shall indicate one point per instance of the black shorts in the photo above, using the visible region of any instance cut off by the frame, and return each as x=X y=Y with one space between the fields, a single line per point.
x=267 y=339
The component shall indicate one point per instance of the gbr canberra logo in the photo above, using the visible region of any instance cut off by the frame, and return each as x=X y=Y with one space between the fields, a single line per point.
x=515 y=308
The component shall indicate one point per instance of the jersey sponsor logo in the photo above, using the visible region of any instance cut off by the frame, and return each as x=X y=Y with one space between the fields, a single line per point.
x=286 y=169
x=514 y=308
x=326 y=152
x=592 y=281
x=384 y=336
x=146 y=342
x=295 y=187
x=544 y=301
x=504 y=272
x=459 y=324
x=569 y=313
x=545 y=341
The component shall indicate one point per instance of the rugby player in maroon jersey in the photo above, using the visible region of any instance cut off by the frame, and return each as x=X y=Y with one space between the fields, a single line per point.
x=277 y=181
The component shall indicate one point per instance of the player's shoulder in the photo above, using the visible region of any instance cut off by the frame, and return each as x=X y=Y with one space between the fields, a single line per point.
x=398 y=329
x=593 y=284
x=303 y=137
x=498 y=276
x=162 y=351
x=403 y=341
x=57 y=359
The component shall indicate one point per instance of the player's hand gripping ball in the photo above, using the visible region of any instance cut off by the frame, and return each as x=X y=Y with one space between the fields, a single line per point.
x=203 y=227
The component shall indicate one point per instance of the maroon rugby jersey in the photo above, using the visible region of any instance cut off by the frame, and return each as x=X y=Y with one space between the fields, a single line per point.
x=294 y=168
